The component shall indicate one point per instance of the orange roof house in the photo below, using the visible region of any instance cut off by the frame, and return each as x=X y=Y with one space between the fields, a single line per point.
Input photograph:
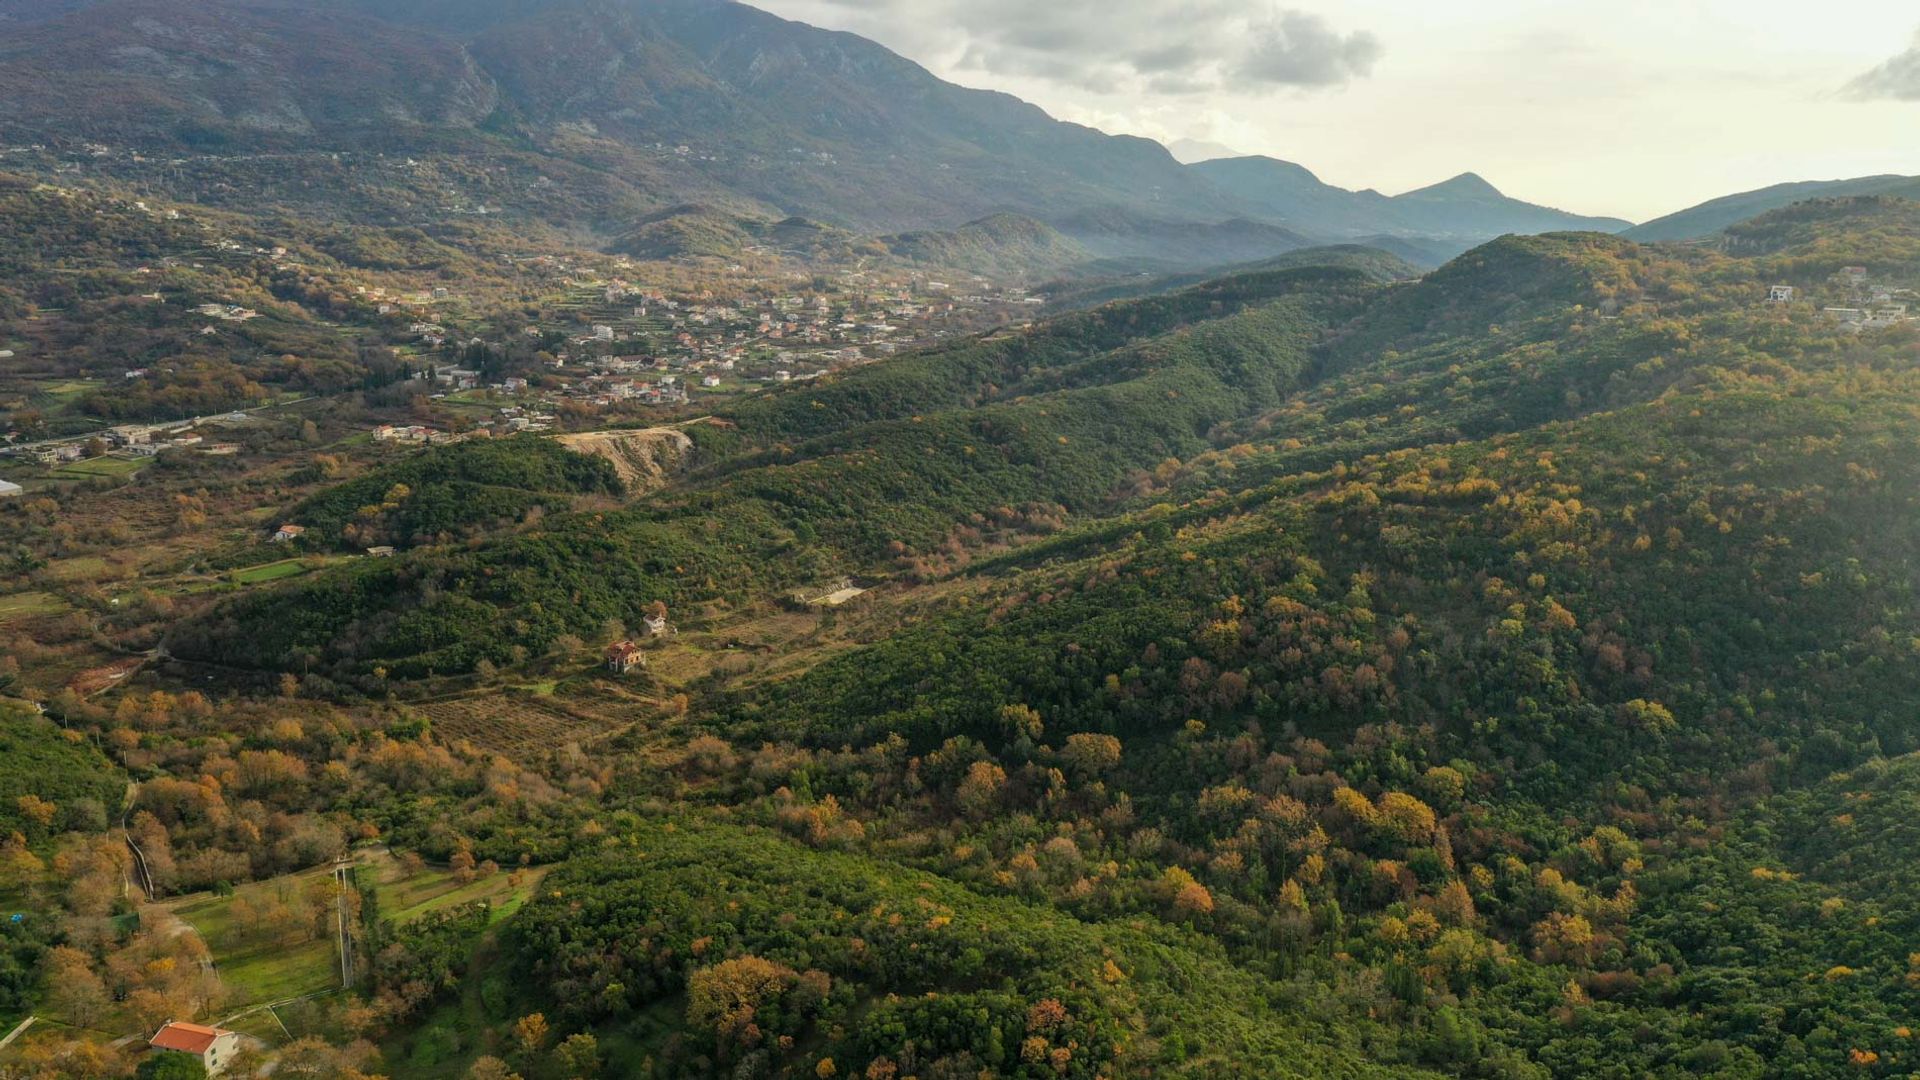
x=215 y=1047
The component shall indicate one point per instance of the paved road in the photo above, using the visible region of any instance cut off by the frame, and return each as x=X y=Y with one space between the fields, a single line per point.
x=341 y=875
x=17 y=1031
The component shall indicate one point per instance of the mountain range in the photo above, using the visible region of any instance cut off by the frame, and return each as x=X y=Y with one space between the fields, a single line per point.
x=607 y=119
x=1466 y=208
x=631 y=107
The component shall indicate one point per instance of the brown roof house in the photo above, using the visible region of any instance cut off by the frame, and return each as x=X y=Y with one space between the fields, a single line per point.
x=216 y=1048
x=624 y=657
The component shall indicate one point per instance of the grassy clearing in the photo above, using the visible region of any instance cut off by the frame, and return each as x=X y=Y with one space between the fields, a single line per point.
x=28 y=605
x=112 y=468
x=84 y=568
x=254 y=969
x=73 y=386
x=274 y=571
x=257 y=969
x=407 y=895
x=261 y=1025
x=278 y=973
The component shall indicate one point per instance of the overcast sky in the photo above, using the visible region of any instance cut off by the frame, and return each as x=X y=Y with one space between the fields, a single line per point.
x=1633 y=108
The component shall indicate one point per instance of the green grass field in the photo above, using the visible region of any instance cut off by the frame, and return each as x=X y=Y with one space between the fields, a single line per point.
x=405 y=897
x=273 y=571
x=112 y=468
x=56 y=397
x=257 y=972
x=27 y=605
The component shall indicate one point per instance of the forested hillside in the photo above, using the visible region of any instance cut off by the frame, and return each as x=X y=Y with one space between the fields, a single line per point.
x=881 y=467
x=1506 y=673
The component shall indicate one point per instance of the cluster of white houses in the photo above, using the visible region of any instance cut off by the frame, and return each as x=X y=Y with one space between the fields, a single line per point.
x=1874 y=306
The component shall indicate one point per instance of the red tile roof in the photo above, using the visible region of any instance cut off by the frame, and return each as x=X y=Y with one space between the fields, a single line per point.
x=186 y=1038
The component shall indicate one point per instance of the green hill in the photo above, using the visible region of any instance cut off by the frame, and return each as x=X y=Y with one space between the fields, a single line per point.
x=1700 y=222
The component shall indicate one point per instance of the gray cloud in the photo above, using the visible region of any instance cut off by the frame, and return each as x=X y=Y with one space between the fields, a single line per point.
x=1302 y=50
x=1898 y=79
x=1164 y=47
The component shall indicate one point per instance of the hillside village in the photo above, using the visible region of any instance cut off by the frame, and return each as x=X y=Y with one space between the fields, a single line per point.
x=550 y=341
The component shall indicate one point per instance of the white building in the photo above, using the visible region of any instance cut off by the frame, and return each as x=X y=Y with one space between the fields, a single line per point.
x=215 y=1047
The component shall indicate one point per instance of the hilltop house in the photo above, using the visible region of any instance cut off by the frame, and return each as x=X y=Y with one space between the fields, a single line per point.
x=658 y=626
x=624 y=657
x=214 y=1047
x=288 y=534
x=1780 y=294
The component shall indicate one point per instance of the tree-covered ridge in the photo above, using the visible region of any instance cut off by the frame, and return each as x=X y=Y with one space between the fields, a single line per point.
x=1798 y=930
x=1492 y=698
x=786 y=957
x=435 y=495
x=887 y=463
x=50 y=781
x=1005 y=366
x=889 y=488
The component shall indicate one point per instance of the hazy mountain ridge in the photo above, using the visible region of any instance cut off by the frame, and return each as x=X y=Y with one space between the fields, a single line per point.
x=1463 y=210
x=645 y=105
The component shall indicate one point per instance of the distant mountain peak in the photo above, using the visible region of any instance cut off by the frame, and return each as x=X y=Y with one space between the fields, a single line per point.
x=1467 y=185
x=1194 y=151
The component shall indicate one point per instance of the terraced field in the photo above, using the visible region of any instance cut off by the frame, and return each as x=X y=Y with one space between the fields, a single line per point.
x=516 y=723
x=26 y=605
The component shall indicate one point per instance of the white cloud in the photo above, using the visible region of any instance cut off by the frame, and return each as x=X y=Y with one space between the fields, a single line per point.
x=1898 y=79
x=1653 y=107
x=1185 y=48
